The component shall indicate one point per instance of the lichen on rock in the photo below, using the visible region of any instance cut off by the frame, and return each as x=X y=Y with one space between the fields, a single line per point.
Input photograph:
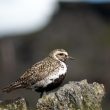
x=74 y=96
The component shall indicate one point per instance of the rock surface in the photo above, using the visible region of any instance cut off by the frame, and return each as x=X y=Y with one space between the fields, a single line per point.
x=16 y=104
x=72 y=96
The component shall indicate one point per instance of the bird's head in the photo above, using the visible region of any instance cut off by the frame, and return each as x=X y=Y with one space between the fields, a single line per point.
x=60 y=54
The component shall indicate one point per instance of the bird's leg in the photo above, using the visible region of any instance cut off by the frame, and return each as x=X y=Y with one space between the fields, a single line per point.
x=43 y=93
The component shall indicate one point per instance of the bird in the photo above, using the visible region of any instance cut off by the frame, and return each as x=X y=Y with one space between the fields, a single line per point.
x=44 y=75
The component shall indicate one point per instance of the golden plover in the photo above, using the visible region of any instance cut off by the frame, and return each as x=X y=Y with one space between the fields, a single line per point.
x=44 y=75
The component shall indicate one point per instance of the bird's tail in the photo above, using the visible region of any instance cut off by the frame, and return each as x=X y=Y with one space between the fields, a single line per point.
x=12 y=87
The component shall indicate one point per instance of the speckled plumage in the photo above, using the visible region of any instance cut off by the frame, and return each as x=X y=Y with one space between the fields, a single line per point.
x=50 y=70
x=39 y=71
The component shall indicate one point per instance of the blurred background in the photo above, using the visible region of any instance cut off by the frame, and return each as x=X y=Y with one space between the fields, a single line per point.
x=29 y=30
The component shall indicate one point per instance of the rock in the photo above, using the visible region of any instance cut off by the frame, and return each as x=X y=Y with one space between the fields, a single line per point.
x=74 y=96
x=16 y=104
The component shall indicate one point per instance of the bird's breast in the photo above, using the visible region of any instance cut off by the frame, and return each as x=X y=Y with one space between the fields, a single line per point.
x=54 y=79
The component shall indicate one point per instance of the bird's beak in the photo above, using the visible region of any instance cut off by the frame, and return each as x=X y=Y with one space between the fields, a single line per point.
x=71 y=58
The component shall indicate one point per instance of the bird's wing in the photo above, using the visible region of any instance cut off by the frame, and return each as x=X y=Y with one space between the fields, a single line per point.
x=38 y=71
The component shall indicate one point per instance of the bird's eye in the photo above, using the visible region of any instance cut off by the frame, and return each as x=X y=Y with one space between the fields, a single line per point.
x=61 y=54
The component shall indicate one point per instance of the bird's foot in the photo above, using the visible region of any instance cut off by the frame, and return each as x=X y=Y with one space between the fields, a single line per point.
x=43 y=94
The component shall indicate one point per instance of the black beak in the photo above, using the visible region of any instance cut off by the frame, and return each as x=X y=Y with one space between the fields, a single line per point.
x=71 y=58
